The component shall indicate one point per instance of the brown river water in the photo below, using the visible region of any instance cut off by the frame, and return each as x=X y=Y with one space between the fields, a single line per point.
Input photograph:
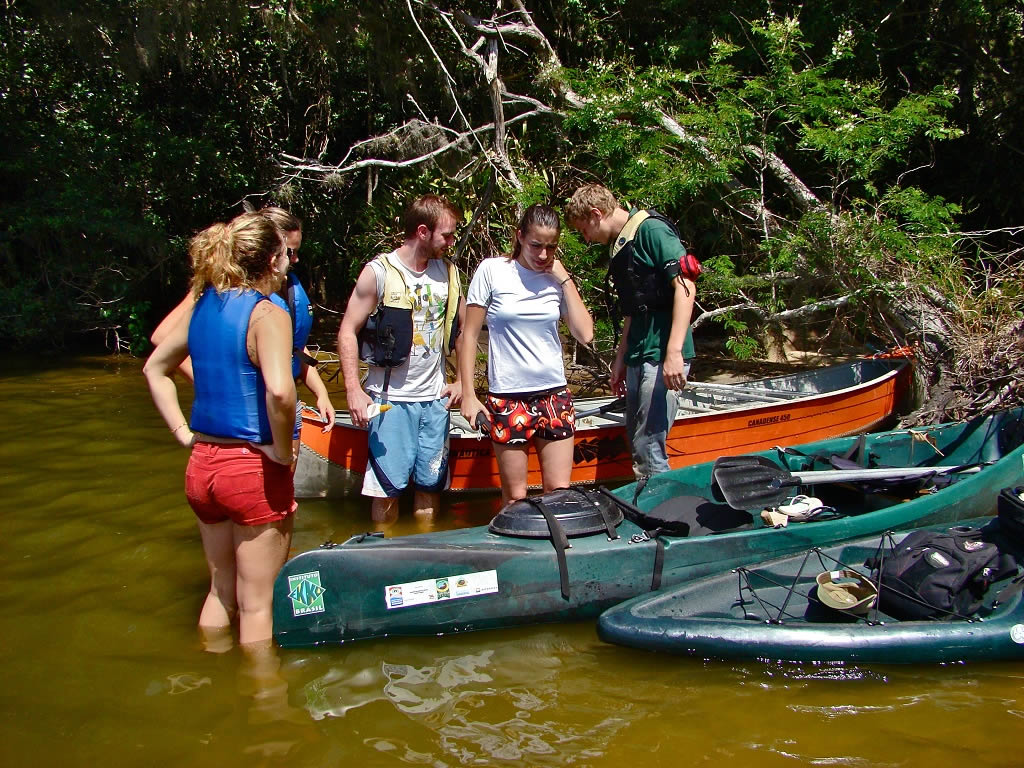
x=103 y=577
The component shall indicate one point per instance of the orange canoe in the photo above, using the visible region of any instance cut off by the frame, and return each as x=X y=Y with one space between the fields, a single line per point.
x=713 y=420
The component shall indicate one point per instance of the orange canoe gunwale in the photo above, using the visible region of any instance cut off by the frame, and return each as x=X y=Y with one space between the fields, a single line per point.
x=712 y=427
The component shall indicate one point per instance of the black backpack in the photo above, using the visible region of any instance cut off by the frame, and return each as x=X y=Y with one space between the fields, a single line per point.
x=932 y=574
x=1010 y=504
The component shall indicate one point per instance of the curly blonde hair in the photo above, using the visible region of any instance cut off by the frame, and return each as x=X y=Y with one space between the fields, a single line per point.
x=235 y=254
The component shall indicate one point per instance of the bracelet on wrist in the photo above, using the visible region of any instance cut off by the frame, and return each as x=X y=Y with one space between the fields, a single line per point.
x=567 y=280
x=175 y=430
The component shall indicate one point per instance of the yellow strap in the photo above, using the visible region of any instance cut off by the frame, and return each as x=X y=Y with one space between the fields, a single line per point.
x=396 y=293
x=452 y=310
x=628 y=231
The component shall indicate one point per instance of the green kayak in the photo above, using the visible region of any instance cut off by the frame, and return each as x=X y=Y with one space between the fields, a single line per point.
x=522 y=569
x=777 y=610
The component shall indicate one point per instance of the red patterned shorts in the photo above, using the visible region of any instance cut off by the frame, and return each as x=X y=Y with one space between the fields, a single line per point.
x=516 y=419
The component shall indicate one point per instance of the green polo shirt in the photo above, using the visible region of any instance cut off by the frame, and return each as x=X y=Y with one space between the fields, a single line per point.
x=654 y=245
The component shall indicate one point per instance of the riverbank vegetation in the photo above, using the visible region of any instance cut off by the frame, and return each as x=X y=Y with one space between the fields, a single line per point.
x=848 y=172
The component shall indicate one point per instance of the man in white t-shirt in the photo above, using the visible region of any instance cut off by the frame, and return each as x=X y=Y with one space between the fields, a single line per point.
x=409 y=440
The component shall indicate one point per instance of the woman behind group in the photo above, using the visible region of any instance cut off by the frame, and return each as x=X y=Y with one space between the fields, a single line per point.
x=238 y=481
x=299 y=308
x=522 y=297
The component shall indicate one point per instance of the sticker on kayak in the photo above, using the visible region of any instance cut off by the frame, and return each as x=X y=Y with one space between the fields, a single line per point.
x=1017 y=633
x=306 y=593
x=442 y=588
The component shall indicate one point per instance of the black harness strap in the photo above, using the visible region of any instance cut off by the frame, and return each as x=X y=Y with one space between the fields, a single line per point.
x=621 y=502
x=298 y=351
x=606 y=516
x=558 y=540
x=291 y=301
x=653 y=535
x=659 y=559
x=640 y=485
x=1009 y=590
x=388 y=341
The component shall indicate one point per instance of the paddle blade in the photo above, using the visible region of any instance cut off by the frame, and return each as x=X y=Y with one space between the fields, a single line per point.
x=750 y=482
x=753 y=482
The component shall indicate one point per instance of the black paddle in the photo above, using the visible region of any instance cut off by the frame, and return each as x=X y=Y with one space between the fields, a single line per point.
x=483 y=423
x=615 y=405
x=754 y=482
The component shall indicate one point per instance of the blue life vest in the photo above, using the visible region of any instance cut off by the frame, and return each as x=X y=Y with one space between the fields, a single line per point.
x=299 y=308
x=230 y=397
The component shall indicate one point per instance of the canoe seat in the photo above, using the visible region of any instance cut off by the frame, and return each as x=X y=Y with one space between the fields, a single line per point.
x=703 y=516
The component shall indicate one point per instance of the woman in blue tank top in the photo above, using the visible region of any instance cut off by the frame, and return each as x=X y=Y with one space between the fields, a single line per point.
x=238 y=481
x=293 y=299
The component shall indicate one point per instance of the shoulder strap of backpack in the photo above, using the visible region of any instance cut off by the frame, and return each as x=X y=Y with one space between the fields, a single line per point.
x=451 y=315
x=628 y=231
x=299 y=352
x=396 y=290
x=291 y=298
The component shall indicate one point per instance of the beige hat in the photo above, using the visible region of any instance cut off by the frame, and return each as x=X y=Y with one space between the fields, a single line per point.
x=846 y=590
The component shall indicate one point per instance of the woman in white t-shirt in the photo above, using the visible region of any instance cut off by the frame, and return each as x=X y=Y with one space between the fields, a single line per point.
x=522 y=297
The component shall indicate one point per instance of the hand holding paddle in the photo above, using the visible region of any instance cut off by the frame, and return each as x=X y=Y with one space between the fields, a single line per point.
x=483 y=423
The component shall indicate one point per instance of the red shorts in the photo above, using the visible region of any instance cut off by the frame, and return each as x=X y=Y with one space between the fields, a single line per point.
x=517 y=419
x=238 y=483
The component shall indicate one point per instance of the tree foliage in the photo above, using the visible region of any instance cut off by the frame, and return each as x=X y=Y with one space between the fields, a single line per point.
x=846 y=169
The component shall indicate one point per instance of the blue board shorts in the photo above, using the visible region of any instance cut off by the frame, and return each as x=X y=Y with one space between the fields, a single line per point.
x=408 y=443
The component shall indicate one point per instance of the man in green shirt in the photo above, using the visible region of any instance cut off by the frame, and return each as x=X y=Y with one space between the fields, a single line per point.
x=653 y=356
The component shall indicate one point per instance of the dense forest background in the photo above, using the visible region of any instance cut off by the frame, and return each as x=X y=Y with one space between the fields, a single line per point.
x=849 y=172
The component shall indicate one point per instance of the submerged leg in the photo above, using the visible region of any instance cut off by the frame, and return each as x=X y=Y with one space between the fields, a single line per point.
x=260 y=551
x=221 y=603
x=384 y=511
x=425 y=503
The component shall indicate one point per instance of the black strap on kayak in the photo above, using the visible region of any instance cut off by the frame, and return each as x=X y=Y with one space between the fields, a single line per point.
x=626 y=506
x=606 y=516
x=1009 y=591
x=558 y=540
x=652 y=535
x=659 y=552
x=659 y=558
x=640 y=485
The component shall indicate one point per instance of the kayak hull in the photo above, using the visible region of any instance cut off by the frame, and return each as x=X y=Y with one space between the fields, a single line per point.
x=470 y=578
x=714 y=618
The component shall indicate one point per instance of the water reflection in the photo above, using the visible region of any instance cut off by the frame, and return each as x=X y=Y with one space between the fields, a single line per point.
x=103 y=665
x=511 y=700
x=217 y=639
